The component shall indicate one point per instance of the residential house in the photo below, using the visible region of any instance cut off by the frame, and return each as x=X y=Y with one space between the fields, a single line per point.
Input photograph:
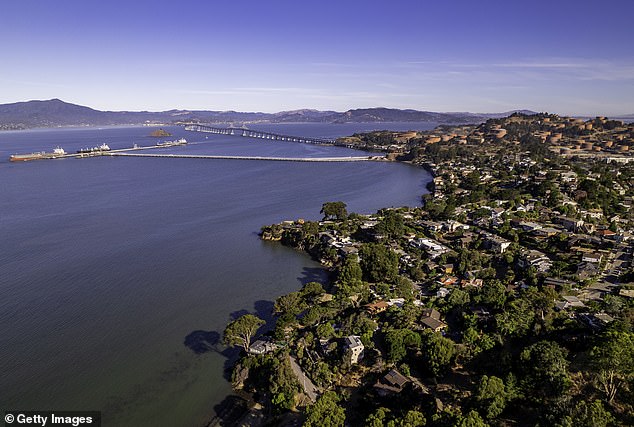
x=442 y=292
x=535 y=259
x=545 y=232
x=392 y=382
x=398 y=302
x=453 y=226
x=627 y=293
x=570 y=224
x=592 y=257
x=448 y=281
x=262 y=347
x=354 y=349
x=431 y=226
x=496 y=243
x=557 y=284
x=569 y=302
x=430 y=312
x=435 y=325
x=376 y=307
x=528 y=226
x=433 y=248
x=476 y=283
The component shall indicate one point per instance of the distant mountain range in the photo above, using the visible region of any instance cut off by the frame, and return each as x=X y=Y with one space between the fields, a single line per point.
x=56 y=113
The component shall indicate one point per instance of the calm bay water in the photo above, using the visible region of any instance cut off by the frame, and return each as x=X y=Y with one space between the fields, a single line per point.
x=118 y=274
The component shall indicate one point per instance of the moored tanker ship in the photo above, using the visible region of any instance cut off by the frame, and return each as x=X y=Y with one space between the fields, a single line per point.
x=57 y=152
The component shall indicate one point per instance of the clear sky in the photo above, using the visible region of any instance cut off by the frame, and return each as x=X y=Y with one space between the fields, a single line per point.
x=567 y=57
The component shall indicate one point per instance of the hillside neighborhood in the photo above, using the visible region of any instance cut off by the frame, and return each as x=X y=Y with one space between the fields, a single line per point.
x=507 y=298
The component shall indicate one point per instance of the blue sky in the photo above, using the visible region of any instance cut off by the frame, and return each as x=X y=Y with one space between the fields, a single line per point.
x=568 y=57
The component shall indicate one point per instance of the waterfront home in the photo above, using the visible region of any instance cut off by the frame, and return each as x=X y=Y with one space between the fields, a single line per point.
x=262 y=347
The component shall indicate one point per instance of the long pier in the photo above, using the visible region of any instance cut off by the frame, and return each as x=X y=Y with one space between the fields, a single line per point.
x=275 y=159
x=248 y=133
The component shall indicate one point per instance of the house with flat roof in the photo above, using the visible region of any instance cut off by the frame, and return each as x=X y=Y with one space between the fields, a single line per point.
x=354 y=349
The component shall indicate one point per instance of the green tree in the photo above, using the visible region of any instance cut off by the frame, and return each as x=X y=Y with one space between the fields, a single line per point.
x=404 y=288
x=516 y=320
x=334 y=210
x=289 y=304
x=491 y=396
x=438 y=353
x=377 y=418
x=412 y=419
x=476 y=341
x=283 y=384
x=472 y=419
x=542 y=300
x=326 y=412
x=493 y=294
x=358 y=324
x=458 y=298
x=241 y=330
x=311 y=290
x=349 y=278
x=322 y=374
x=591 y=415
x=378 y=263
x=471 y=181
x=397 y=341
x=613 y=362
x=325 y=331
x=391 y=225
x=546 y=369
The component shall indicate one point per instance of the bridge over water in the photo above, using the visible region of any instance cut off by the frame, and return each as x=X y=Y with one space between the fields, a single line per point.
x=257 y=134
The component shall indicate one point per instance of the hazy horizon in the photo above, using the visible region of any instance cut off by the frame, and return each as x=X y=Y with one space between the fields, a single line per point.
x=571 y=58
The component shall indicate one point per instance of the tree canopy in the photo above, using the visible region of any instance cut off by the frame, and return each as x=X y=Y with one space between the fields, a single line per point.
x=241 y=330
x=613 y=362
x=378 y=263
x=326 y=412
x=334 y=210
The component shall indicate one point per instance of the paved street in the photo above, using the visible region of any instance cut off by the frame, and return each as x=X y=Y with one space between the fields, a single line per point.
x=309 y=388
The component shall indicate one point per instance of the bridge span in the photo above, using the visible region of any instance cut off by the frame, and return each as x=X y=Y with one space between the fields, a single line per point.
x=277 y=159
x=257 y=134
